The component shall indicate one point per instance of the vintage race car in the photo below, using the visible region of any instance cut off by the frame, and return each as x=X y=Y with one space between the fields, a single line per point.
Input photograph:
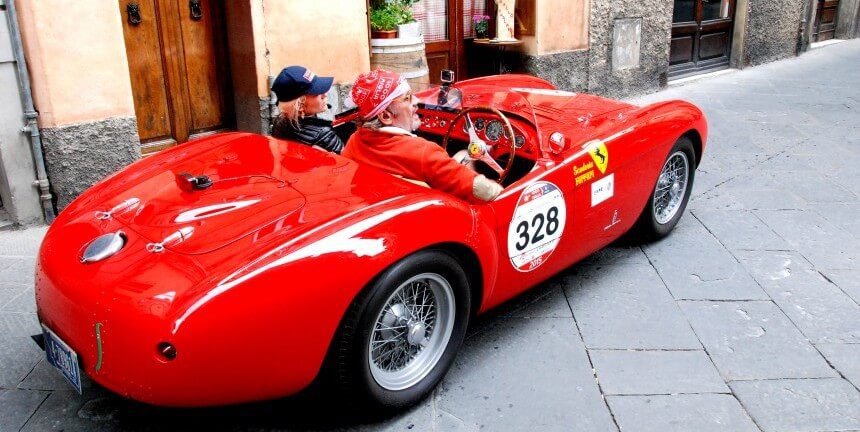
x=238 y=267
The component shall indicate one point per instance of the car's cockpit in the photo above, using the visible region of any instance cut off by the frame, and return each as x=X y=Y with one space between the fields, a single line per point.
x=481 y=124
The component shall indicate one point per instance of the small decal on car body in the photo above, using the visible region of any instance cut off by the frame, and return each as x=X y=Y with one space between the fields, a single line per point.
x=583 y=173
x=600 y=154
x=536 y=226
x=602 y=190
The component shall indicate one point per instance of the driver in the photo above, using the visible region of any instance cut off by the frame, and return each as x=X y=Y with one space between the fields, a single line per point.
x=388 y=114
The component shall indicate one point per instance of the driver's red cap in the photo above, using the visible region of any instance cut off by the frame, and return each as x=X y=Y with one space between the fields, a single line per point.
x=375 y=90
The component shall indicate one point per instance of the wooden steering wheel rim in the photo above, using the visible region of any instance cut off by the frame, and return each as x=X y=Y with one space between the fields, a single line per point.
x=507 y=124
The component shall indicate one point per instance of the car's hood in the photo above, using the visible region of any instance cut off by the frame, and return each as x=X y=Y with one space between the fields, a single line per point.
x=572 y=108
x=257 y=183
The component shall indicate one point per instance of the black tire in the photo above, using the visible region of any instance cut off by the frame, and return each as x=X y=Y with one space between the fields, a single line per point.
x=352 y=364
x=648 y=228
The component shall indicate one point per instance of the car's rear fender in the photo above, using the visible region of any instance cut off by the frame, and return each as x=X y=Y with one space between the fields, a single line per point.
x=286 y=306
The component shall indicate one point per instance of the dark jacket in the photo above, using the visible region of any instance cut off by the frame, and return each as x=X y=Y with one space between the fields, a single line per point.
x=312 y=131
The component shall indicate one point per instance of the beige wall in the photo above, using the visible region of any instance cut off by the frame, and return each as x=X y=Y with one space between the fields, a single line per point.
x=562 y=25
x=327 y=36
x=77 y=61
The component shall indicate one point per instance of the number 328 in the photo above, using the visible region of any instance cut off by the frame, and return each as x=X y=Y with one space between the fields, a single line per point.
x=541 y=225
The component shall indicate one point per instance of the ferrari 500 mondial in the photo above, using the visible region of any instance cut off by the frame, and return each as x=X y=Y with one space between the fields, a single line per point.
x=240 y=267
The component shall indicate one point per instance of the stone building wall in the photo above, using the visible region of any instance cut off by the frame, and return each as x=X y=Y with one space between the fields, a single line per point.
x=627 y=51
x=773 y=30
x=606 y=78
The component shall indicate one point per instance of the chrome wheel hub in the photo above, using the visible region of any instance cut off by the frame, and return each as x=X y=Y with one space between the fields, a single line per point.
x=671 y=187
x=411 y=332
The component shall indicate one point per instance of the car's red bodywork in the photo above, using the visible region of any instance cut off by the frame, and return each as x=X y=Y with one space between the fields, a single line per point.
x=275 y=251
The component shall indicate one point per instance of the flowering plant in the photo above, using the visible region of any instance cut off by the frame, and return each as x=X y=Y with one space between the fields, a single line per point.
x=482 y=24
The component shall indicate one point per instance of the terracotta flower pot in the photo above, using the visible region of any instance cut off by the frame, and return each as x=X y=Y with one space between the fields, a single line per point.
x=383 y=34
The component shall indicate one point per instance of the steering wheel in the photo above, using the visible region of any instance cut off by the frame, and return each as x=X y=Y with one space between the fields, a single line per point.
x=478 y=149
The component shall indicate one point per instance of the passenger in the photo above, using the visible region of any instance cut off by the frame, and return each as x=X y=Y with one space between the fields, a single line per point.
x=387 y=114
x=301 y=96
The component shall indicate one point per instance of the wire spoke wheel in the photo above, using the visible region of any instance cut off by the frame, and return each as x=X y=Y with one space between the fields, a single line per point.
x=411 y=332
x=671 y=187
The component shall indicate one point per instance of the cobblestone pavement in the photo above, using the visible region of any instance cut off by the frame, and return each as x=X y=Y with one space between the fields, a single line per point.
x=746 y=318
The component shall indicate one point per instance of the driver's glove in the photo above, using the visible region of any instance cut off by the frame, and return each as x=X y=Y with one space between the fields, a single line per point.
x=485 y=189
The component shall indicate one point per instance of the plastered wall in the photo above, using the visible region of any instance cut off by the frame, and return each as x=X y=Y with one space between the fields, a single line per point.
x=77 y=61
x=329 y=37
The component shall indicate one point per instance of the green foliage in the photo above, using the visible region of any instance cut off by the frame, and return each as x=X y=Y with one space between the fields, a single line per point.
x=384 y=19
x=388 y=14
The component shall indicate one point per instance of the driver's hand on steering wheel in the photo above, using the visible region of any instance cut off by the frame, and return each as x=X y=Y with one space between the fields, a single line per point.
x=462 y=157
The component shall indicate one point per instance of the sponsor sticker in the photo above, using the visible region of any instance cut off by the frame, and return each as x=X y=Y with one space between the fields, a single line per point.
x=308 y=76
x=602 y=190
x=583 y=172
x=615 y=220
x=536 y=226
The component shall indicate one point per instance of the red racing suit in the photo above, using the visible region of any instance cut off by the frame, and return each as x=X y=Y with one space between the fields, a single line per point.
x=401 y=153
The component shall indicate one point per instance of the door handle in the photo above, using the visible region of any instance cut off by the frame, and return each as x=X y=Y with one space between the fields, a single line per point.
x=196 y=10
x=132 y=11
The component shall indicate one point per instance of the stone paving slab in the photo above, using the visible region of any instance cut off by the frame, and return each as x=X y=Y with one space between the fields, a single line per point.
x=814 y=188
x=754 y=340
x=845 y=358
x=626 y=307
x=740 y=229
x=695 y=266
x=525 y=374
x=656 y=372
x=23 y=302
x=545 y=301
x=681 y=413
x=822 y=311
x=820 y=241
x=17 y=270
x=800 y=405
x=22 y=242
x=754 y=190
x=16 y=407
x=847 y=280
x=842 y=214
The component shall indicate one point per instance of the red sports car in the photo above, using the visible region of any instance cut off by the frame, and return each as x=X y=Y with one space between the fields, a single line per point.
x=239 y=267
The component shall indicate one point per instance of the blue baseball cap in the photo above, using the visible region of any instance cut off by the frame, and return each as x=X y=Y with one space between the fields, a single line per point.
x=295 y=81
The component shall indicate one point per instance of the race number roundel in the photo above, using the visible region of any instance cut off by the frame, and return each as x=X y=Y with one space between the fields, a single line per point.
x=536 y=226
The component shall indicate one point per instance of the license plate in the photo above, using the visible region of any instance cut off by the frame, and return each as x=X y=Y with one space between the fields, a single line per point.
x=62 y=357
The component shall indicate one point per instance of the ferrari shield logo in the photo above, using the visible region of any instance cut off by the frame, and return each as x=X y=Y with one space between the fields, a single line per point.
x=599 y=154
x=475 y=149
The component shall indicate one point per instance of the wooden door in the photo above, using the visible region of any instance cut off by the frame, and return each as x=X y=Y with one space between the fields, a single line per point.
x=441 y=28
x=825 y=20
x=179 y=69
x=701 y=36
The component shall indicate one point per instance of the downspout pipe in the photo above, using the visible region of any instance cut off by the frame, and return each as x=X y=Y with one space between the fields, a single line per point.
x=30 y=114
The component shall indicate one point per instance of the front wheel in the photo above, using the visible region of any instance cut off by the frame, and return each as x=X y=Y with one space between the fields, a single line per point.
x=402 y=334
x=670 y=194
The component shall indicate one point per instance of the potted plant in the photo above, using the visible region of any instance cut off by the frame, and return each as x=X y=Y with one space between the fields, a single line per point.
x=408 y=27
x=384 y=18
x=482 y=25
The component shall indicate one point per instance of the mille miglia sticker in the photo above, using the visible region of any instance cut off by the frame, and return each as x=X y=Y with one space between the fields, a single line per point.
x=536 y=226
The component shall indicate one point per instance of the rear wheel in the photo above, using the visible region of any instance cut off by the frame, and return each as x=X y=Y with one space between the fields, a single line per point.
x=402 y=334
x=670 y=194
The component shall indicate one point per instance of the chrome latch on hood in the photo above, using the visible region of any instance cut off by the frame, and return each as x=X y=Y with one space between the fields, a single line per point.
x=122 y=207
x=177 y=237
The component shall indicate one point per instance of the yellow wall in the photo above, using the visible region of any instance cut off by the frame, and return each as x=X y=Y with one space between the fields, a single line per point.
x=562 y=25
x=327 y=36
x=77 y=61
